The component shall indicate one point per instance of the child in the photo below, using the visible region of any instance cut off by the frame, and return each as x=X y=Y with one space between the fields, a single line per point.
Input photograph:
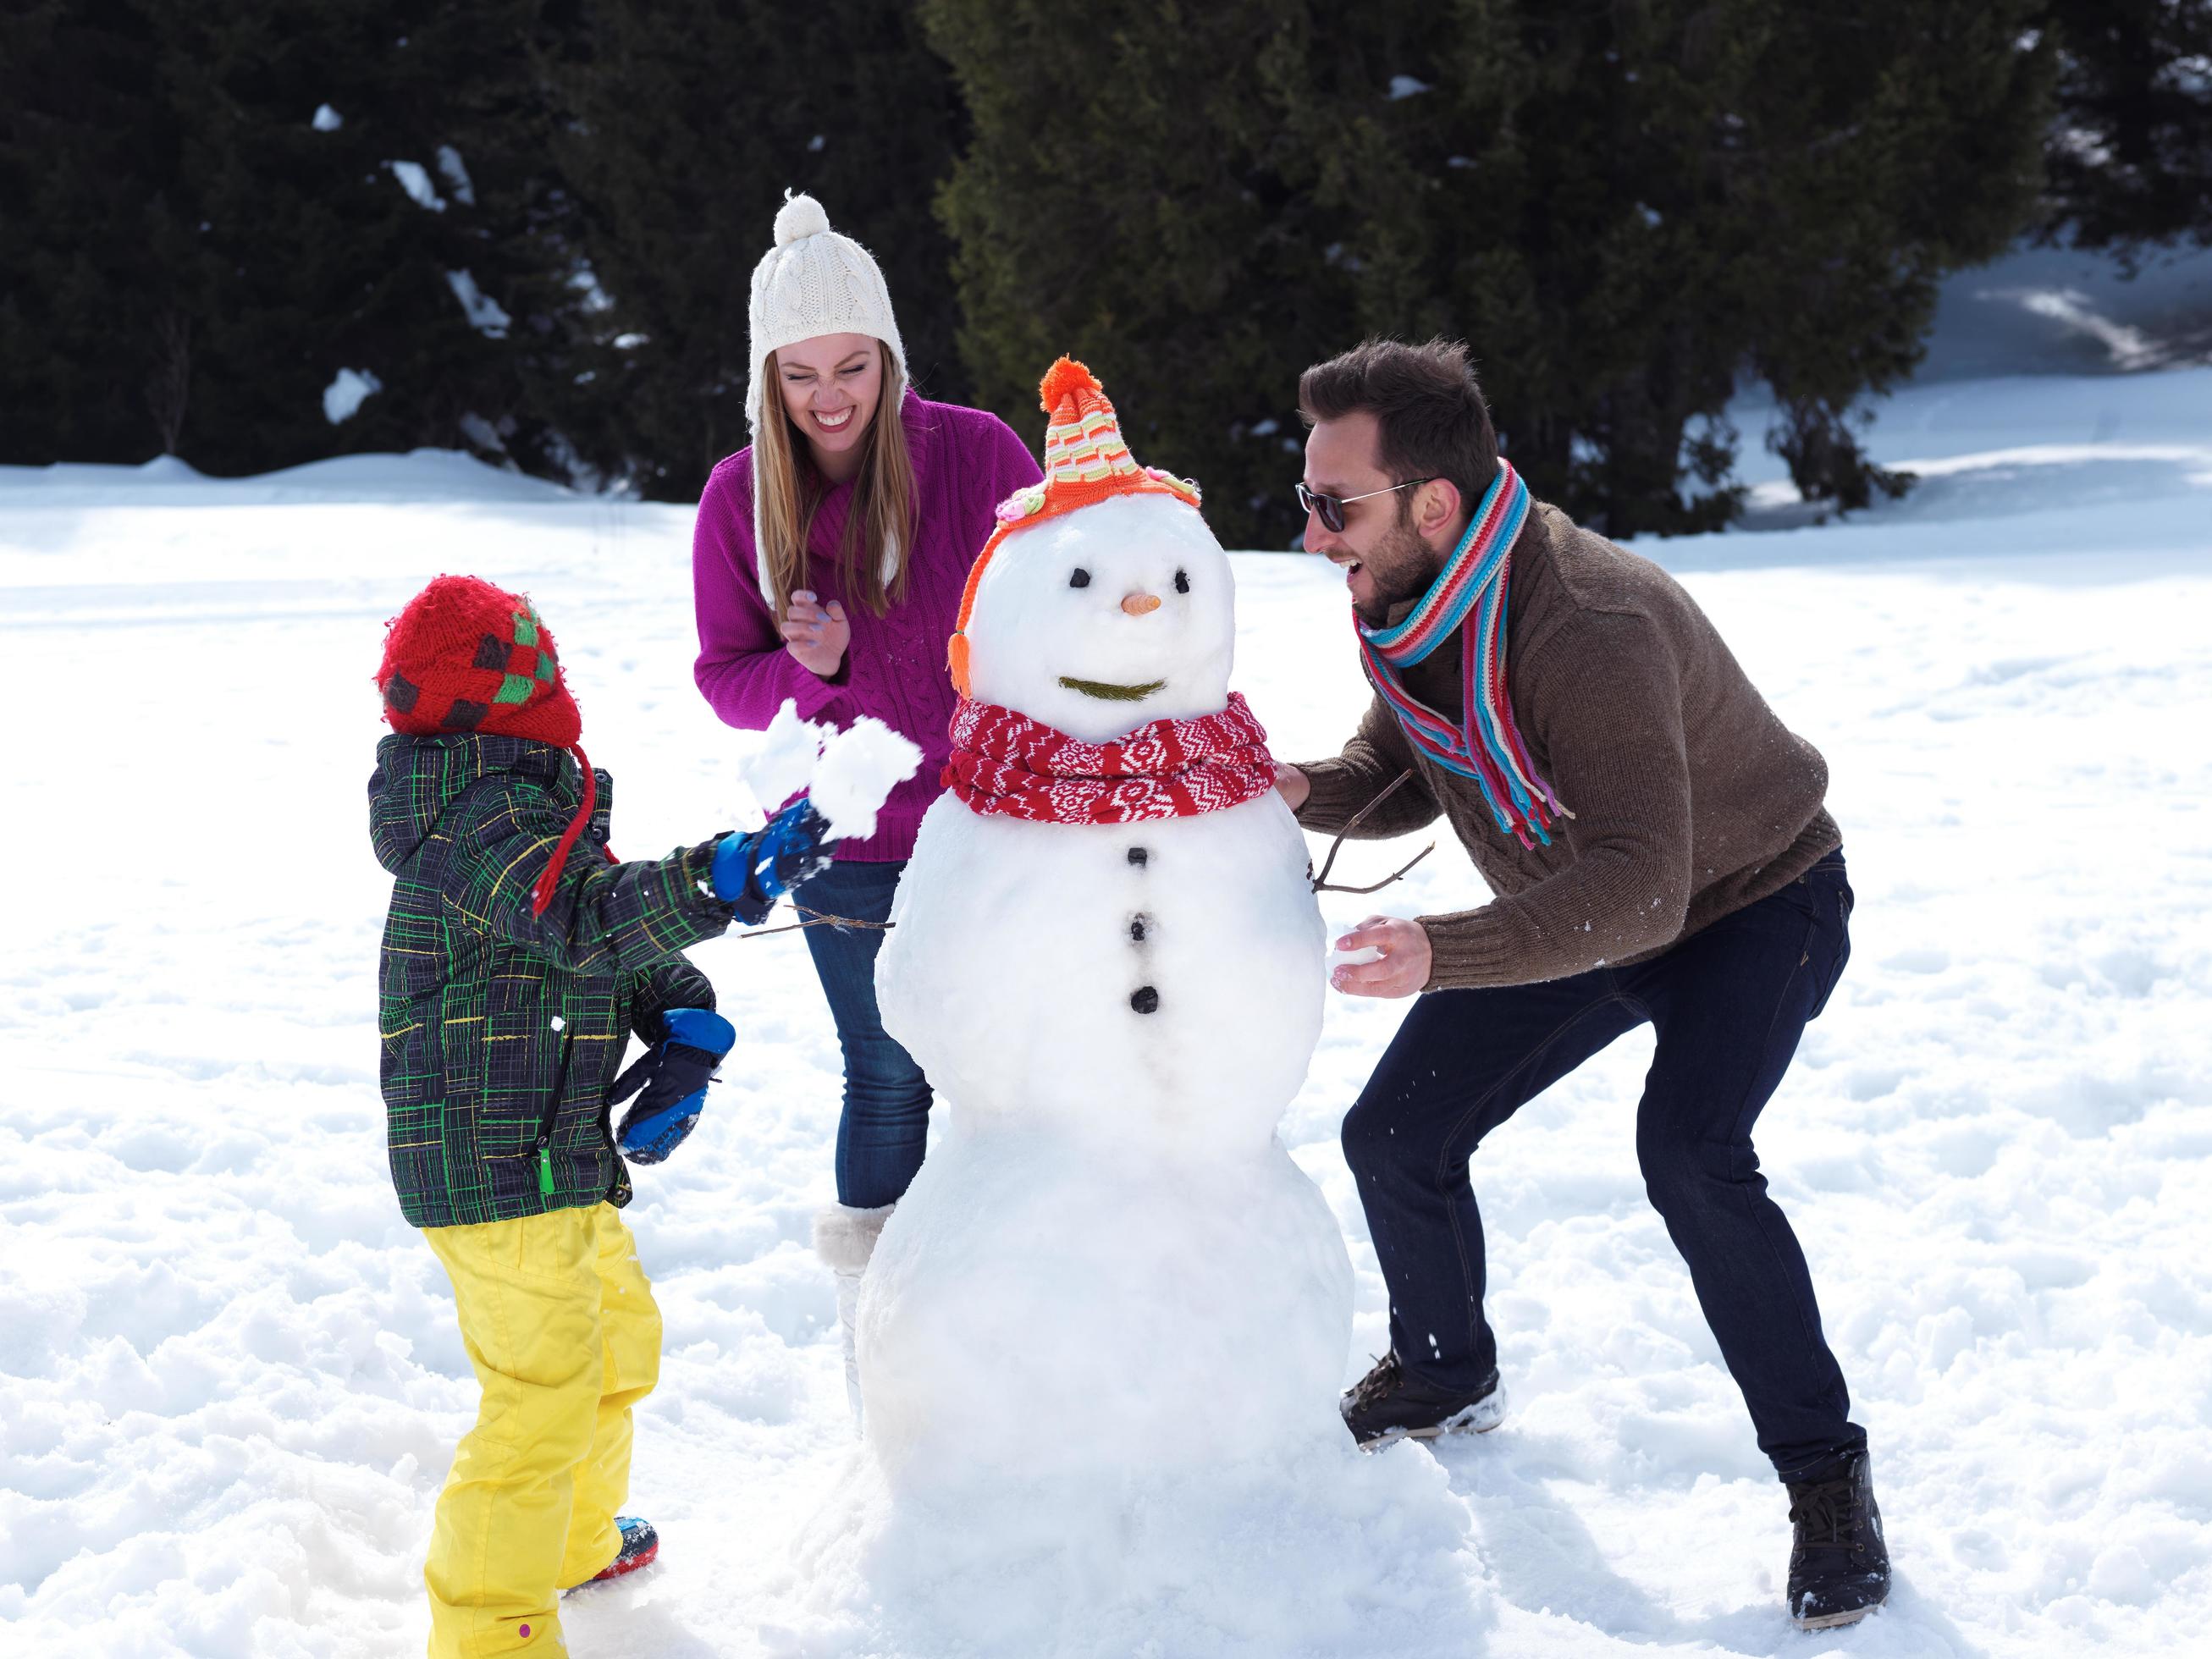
x=517 y=958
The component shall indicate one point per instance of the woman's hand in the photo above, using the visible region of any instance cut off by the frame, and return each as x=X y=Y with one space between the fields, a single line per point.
x=815 y=636
x=1400 y=969
x=1293 y=785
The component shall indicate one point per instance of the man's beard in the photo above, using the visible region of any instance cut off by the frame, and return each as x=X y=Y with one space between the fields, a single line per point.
x=1402 y=568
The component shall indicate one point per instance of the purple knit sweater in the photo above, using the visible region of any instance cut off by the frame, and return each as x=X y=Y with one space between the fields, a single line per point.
x=965 y=463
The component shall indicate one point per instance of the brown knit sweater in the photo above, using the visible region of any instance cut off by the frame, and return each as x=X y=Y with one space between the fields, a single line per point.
x=1690 y=799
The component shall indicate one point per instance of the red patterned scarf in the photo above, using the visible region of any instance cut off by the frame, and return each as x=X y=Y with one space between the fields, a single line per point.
x=1010 y=764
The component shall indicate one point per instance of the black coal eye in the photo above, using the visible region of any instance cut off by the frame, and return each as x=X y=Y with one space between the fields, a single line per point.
x=1080 y=577
x=1183 y=582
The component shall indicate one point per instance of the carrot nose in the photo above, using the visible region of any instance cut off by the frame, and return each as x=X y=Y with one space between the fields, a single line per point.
x=1138 y=604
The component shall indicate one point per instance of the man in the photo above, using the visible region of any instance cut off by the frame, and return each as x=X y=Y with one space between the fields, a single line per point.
x=1659 y=851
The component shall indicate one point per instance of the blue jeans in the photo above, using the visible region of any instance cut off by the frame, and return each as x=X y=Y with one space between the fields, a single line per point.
x=886 y=1125
x=1729 y=1005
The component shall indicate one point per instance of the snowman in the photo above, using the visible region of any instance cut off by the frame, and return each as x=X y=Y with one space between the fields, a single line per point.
x=1101 y=1338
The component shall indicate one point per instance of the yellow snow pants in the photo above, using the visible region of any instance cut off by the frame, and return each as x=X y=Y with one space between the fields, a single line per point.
x=561 y=1326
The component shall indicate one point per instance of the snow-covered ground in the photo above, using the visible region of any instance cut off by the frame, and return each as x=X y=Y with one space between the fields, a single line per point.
x=229 y=1378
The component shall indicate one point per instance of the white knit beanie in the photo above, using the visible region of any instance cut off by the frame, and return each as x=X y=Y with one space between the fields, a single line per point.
x=812 y=282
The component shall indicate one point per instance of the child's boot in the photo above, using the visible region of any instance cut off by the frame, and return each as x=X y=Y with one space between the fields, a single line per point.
x=641 y=1548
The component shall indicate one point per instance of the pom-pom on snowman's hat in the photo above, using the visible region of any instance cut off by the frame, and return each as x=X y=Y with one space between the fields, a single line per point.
x=1085 y=462
x=812 y=282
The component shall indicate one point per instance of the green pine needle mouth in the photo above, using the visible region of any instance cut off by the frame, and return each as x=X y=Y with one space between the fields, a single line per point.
x=1112 y=693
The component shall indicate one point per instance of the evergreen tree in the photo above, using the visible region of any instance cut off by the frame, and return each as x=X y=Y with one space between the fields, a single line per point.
x=2131 y=153
x=1695 y=190
x=686 y=123
x=392 y=235
x=94 y=337
x=533 y=222
x=1620 y=207
x=226 y=207
x=1141 y=192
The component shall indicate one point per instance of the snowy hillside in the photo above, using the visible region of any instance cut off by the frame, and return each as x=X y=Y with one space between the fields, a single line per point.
x=230 y=1376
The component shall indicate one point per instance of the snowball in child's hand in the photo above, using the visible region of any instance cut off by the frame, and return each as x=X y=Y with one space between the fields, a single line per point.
x=848 y=775
x=777 y=764
x=1348 y=958
x=859 y=767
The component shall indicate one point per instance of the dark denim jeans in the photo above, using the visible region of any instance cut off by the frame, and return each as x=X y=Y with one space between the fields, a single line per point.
x=885 y=1126
x=1729 y=1005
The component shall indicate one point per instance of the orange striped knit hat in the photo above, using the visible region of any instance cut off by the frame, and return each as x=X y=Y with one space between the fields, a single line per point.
x=1085 y=462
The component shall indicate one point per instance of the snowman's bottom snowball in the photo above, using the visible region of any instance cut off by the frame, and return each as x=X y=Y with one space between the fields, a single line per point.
x=1056 y=1301
x=1101 y=1390
x=1329 y=1553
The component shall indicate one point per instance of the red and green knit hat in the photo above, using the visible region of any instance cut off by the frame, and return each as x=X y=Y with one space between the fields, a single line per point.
x=465 y=656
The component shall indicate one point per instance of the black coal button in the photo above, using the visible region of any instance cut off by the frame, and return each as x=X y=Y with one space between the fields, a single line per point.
x=1145 y=1000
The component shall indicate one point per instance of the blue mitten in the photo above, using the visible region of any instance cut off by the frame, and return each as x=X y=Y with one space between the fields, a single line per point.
x=670 y=1085
x=752 y=872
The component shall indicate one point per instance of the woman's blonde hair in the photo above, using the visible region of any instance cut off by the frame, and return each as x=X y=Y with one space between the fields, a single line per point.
x=873 y=555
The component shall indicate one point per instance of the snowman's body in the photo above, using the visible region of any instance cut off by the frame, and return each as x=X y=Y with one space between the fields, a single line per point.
x=1114 y=1012
x=1107 y=1252
x=1158 y=984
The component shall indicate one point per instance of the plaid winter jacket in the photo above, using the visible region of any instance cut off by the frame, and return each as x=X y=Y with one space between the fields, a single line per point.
x=503 y=1030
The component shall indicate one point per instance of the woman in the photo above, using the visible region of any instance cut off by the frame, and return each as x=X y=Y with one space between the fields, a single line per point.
x=827 y=566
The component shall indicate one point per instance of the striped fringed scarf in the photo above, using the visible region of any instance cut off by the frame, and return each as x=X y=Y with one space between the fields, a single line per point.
x=1473 y=580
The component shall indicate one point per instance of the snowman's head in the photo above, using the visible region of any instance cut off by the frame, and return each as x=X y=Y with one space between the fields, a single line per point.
x=1105 y=618
x=1102 y=602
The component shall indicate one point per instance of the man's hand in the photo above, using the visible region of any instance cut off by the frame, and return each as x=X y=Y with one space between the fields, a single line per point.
x=814 y=635
x=1292 y=785
x=1403 y=967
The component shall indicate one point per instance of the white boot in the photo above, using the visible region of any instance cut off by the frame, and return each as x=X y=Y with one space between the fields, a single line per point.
x=845 y=1238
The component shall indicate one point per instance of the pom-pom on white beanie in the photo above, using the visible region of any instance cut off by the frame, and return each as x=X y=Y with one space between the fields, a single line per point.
x=814 y=282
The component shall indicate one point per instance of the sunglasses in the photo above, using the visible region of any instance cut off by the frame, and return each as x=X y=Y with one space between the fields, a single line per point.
x=1331 y=508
